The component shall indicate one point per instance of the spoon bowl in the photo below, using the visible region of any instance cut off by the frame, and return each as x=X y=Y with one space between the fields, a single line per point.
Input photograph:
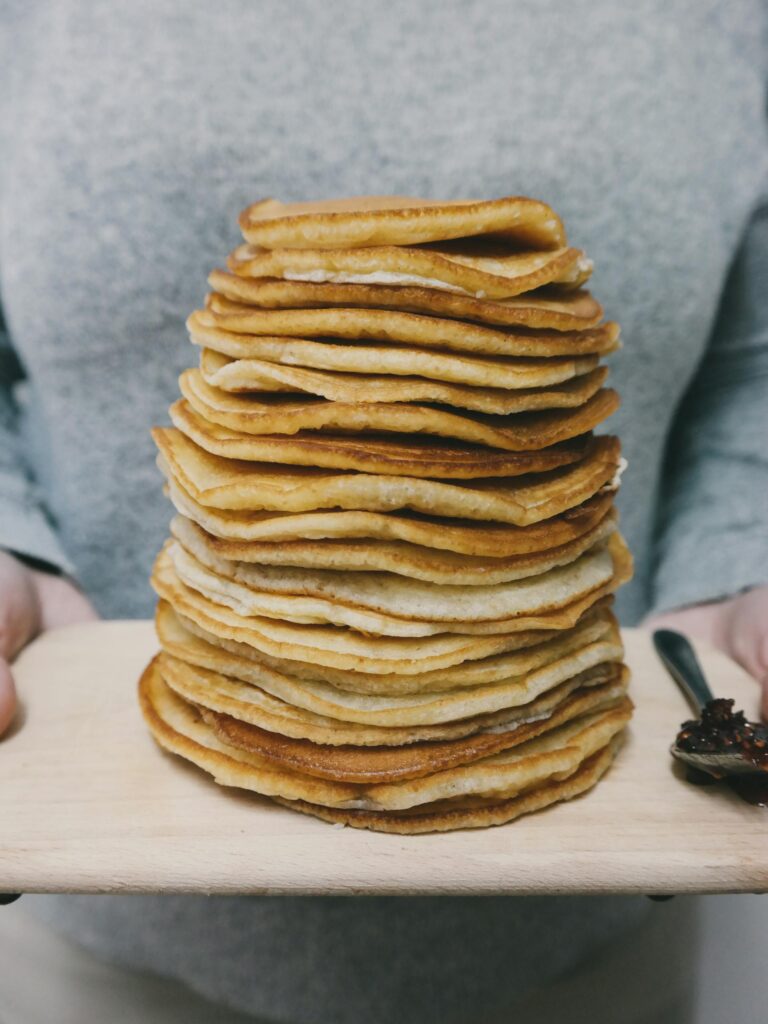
x=721 y=742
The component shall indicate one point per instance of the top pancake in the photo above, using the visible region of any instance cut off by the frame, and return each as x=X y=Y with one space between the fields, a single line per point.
x=399 y=220
x=470 y=267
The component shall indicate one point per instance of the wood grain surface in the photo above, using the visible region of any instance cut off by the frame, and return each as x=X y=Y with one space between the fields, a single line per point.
x=89 y=804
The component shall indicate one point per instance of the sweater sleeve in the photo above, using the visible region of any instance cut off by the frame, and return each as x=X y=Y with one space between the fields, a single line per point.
x=25 y=527
x=712 y=529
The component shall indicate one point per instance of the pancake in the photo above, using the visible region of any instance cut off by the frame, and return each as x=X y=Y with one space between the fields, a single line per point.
x=472 y=267
x=574 y=337
x=225 y=483
x=404 y=559
x=257 y=375
x=395 y=454
x=354 y=356
x=292 y=416
x=233 y=685
x=177 y=727
x=343 y=598
x=348 y=763
x=349 y=649
x=470 y=813
x=567 y=311
x=332 y=537
x=255 y=707
x=558 y=751
x=328 y=645
x=445 y=715
x=399 y=220
x=349 y=600
x=187 y=641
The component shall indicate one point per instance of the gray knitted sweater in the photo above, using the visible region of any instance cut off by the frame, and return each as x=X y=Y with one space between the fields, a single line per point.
x=132 y=134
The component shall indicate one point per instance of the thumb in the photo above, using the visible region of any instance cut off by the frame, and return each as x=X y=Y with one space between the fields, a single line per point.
x=7 y=696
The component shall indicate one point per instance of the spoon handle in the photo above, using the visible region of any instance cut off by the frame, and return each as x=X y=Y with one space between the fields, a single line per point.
x=681 y=663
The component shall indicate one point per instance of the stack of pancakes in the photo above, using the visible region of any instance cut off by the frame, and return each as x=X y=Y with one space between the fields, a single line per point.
x=386 y=600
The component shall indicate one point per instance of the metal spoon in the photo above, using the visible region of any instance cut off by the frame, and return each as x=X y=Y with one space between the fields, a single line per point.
x=680 y=661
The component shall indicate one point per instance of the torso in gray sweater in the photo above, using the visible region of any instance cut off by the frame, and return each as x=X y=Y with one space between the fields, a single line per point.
x=132 y=135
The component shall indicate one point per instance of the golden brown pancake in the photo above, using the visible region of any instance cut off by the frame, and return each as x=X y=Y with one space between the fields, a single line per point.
x=345 y=648
x=300 y=417
x=567 y=311
x=389 y=764
x=178 y=728
x=473 y=267
x=226 y=683
x=354 y=356
x=230 y=484
x=331 y=536
x=262 y=377
x=574 y=337
x=398 y=605
x=246 y=703
x=391 y=455
x=404 y=559
x=399 y=220
x=337 y=648
x=523 y=653
x=470 y=813
x=516 y=702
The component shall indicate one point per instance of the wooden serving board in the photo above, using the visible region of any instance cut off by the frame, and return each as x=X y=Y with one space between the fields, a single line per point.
x=89 y=804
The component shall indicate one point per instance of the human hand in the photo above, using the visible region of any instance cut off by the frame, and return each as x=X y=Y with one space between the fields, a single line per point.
x=738 y=626
x=30 y=603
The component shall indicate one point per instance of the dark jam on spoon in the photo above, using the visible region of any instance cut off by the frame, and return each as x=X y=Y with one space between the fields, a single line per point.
x=721 y=730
